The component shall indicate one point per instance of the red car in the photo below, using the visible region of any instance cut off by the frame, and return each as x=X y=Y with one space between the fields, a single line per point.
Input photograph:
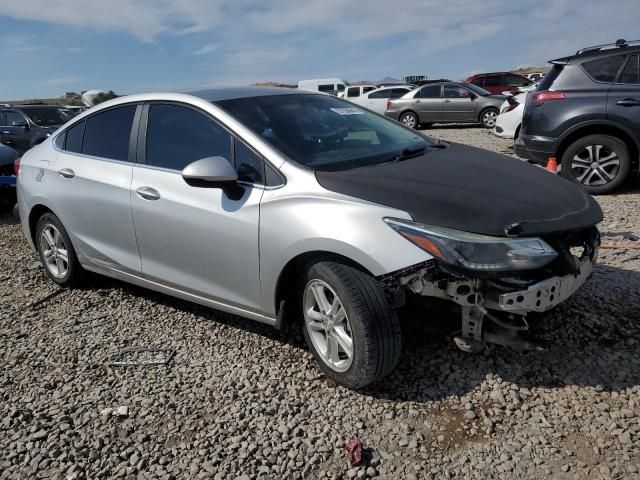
x=499 y=82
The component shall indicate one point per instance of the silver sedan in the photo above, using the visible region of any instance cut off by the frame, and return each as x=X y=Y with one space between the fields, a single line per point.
x=287 y=206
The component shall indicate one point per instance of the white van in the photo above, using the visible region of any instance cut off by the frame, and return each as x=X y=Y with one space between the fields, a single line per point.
x=333 y=86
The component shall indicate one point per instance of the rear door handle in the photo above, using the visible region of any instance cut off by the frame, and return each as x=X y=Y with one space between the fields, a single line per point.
x=66 y=173
x=628 y=102
x=7 y=133
x=447 y=101
x=148 y=193
x=417 y=101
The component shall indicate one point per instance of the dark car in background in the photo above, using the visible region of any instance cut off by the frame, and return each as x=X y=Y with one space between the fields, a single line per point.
x=445 y=102
x=499 y=82
x=8 y=165
x=23 y=126
x=586 y=114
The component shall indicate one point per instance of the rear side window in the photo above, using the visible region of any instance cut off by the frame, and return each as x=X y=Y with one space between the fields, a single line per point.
x=368 y=89
x=478 y=81
x=516 y=81
x=353 y=92
x=177 y=136
x=604 y=69
x=432 y=91
x=380 y=94
x=326 y=88
x=73 y=141
x=398 y=92
x=494 y=81
x=630 y=74
x=107 y=134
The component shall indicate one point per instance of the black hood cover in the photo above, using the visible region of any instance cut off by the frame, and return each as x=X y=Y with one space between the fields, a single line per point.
x=474 y=190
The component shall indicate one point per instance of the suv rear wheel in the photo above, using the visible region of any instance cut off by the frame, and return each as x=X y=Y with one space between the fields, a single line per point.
x=600 y=163
x=349 y=326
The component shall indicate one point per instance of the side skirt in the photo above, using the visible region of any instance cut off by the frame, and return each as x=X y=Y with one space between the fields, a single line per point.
x=175 y=292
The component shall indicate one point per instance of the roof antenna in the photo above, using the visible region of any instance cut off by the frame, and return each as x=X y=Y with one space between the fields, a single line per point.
x=621 y=42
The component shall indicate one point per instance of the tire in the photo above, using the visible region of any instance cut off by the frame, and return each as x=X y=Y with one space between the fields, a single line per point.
x=54 y=262
x=410 y=119
x=610 y=153
x=488 y=117
x=361 y=314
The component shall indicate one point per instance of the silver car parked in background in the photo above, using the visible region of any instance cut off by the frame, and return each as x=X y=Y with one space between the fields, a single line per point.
x=281 y=205
x=446 y=102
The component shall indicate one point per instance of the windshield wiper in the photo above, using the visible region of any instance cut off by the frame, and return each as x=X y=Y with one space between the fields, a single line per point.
x=407 y=153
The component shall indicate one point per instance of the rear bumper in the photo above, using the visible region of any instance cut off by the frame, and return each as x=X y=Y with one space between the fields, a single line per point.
x=534 y=148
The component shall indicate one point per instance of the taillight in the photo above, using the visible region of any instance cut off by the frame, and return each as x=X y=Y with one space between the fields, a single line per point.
x=389 y=103
x=16 y=166
x=538 y=98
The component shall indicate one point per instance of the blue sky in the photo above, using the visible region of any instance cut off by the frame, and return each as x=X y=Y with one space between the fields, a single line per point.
x=48 y=47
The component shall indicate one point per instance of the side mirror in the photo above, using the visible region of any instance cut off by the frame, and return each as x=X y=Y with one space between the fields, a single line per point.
x=210 y=172
x=472 y=96
x=20 y=123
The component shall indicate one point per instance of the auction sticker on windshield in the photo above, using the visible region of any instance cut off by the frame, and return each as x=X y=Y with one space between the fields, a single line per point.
x=348 y=111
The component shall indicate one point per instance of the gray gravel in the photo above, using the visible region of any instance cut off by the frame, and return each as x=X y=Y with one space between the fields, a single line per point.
x=240 y=400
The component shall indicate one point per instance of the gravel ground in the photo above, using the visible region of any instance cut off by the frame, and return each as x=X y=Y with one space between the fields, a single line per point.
x=240 y=400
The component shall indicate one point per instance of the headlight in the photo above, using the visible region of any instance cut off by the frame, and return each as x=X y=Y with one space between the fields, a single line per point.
x=473 y=251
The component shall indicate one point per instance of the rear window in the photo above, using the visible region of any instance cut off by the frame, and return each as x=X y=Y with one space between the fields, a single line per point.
x=550 y=77
x=604 y=69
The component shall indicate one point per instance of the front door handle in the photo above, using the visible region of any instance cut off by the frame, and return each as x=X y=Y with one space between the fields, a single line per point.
x=417 y=101
x=148 y=193
x=7 y=133
x=628 y=102
x=66 y=173
x=447 y=101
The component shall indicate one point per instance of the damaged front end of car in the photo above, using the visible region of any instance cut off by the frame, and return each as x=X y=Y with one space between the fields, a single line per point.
x=496 y=281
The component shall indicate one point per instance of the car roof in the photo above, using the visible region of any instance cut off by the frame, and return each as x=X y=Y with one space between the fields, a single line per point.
x=232 y=93
x=495 y=73
x=621 y=47
x=32 y=107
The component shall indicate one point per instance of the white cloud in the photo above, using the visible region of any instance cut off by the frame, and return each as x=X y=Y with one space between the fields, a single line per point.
x=63 y=80
x=208 y=48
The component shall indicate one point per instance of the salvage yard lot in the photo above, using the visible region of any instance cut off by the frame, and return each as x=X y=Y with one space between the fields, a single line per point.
x=240 y=398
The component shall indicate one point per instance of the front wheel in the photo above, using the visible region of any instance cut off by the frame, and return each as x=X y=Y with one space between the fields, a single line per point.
x=488 y=117
x=600 y=163
x=349 y=326
x=409 y=119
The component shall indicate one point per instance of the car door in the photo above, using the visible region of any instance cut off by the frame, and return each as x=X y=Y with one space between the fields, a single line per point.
x=15 y=131
x=376 y=100
x=623 y=100
x=458 y=104
x=202 y=241
x=92 y=181
x=427 y=102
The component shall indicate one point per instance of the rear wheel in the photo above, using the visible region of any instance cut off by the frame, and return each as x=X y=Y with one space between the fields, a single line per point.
x=488 y=117
x=349 y=326
x=56 y=252
x=600 y=163
x=409 y=119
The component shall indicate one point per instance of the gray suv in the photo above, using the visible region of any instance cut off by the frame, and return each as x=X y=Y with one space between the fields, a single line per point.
x=287 y=206
x=23 y=126
x=446 y=102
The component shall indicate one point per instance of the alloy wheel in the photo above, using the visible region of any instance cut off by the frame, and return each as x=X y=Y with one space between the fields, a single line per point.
x=328 y=325
x=595 y=165
x=409 y=121
x=54 y=251
x=489 y=118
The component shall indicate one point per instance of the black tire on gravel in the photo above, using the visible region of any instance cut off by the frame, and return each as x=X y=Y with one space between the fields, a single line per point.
x=609 y=144
x=75 y=272
x=374 y=324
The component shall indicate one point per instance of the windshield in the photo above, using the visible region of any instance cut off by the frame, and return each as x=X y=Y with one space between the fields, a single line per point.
x=45 y=117
x=476 y=89
x=322 y=132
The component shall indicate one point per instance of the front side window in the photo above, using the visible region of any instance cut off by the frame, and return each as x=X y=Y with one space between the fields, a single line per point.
x=515 y=81
x=48 y=116
x=493 y=81
x=478 y=81
x=107 y=133
x=431 y=91
x=604 y=69
x=328 y=88
x=630 y=74
x=324 y=133
x=249 y=164
x=178 y=135
x=455 y=91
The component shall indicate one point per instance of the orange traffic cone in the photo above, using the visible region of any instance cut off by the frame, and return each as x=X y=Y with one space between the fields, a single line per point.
x=552 y=164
